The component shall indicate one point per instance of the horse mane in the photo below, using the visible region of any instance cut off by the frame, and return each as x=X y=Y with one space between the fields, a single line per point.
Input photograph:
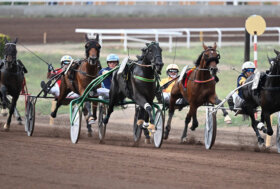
x=197 y=62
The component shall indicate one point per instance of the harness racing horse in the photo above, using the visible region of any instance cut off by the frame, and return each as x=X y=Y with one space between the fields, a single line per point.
x=266 y=95
x=138 y=84
x=200 y=88
x=11 y=78
x=80 y=74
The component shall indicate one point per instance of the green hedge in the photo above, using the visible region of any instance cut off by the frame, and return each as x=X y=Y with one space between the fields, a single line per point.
x=2 y=44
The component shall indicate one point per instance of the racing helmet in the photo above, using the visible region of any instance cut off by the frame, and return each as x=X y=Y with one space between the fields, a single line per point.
x=65 y=60
x=248 y=66
x=112 y=58
x=172 y=68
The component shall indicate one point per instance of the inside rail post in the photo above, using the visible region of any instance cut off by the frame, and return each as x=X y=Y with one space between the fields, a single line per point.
x=170 y=43
x=125 y=41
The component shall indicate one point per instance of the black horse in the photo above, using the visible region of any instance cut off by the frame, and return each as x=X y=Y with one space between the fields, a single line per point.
x=11 y=78
x=138 y=82
x=266 y=96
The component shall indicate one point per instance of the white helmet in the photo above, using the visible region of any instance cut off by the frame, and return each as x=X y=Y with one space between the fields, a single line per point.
x=112 y=58
x=66 y=59
x=248 y=65
x=172 y=67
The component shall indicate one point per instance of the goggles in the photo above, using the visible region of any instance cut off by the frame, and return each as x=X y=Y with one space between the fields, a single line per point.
x=250 y=70
x=112 y=62
x=173 y=71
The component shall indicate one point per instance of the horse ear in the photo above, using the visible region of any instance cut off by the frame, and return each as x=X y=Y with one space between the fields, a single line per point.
x=204 y=46
x=97 y=37
x=269 y=59
x=215 y=46
x=5 y=39
x=276 y=52
x=15 y=41
x=86 y=37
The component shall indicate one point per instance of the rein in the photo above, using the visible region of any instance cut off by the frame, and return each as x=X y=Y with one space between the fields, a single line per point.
x=84 y=73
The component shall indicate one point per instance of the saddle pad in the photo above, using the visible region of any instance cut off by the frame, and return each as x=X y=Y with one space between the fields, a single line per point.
x=187 y=77
x=122 y=66
x=183 y=73
x=256 y=80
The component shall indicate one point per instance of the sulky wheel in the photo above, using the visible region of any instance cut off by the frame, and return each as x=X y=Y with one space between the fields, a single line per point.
x=75 y=127
x=137 y=129
x=210 y=129
x=278 y=134
x=159 y=124
x=30 y=116
x=101 y=125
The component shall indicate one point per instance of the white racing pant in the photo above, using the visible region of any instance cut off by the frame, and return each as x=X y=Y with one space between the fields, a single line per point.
x=103 y=92
x=55 y=91
x=237 y=100
x=166 y=97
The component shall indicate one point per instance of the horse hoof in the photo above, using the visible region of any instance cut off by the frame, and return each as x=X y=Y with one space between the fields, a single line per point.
x=184 y=140
x=105 y=120
x=151 y=128
x=4 y=112
x=147 y=141
x=19 y=123
x=6 y=127
x=193 y=128
x=53 y=115
x=227 y=119
x=260 y=141
x=89 y=134
x=165 y=136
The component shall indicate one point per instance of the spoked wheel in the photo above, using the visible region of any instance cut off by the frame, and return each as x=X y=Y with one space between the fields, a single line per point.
x=30 y=115
x=210 y=129
x=278 y=134
x=101 y=125
x=159 y=124
x=137 y=129
x=76 y=124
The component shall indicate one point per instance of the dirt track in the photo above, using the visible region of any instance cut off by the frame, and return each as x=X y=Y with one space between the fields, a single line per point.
x=50 y=160
x=30 y=30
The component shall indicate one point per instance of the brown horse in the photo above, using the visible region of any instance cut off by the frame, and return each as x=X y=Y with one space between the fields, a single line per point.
x=200 y=88
x=81 y=74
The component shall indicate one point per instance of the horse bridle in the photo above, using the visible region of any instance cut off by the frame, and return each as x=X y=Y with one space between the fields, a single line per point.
x=14 y=59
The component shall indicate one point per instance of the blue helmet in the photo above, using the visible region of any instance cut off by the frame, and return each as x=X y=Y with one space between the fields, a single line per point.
x=112 y=58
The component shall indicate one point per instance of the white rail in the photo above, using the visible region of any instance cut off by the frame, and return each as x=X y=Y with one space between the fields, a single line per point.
x=141 y=35
x=129 y=2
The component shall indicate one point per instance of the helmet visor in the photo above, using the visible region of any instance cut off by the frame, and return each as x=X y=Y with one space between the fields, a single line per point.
x=250 y=70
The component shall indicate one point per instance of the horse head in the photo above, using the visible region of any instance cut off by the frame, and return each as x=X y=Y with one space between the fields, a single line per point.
x=152 y=55
x=92 y=48
x=10 y=53
x=275 y=64
x=210 y=58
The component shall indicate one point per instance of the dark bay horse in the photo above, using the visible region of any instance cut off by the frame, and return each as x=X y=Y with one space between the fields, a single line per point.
x=266 y=96
x=81 y=74
x=138 y=84
x=11 y=78
x=200 y=88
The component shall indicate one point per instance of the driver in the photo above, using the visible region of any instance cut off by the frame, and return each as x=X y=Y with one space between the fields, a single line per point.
x=112 y=62
x=248 y=68
x=55 y=90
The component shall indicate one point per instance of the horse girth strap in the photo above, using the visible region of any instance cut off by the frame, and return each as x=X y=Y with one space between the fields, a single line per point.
x=144 y=79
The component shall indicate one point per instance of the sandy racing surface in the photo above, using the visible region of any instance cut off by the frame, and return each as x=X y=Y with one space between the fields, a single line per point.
x=48 y=159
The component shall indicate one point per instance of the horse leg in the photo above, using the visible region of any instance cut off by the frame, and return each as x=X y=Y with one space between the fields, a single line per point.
x=12 y=109
x=145 y=125
x=17 y=115
x=112 y=102
x=62 y=96
x=87 y=112
x=190 y=114
x=254 y=126
x=173 y=100
x=3 y=91
x=225 y=113
x=269 y=130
